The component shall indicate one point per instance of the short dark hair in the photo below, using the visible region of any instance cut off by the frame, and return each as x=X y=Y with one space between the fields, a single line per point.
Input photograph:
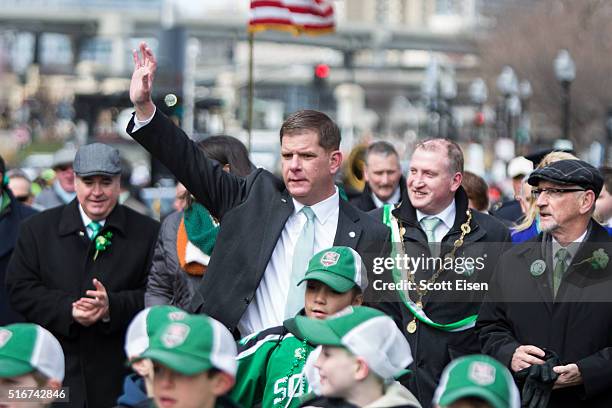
x=453 y=151
x=308 y=119
x=380 y=147
x=606 y=172
x=228 y=150
x=477 y=190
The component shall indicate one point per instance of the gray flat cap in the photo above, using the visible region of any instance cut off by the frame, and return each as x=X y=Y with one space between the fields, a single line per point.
x=64 y=156
x=97 y=159
x=570 y=172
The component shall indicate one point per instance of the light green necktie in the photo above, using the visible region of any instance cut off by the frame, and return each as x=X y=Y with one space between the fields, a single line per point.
x=303 y=251
x=560 y=267
x=429 y=225
x=94 y=228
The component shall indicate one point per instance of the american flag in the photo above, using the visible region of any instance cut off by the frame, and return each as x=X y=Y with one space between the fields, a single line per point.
x=296 y=16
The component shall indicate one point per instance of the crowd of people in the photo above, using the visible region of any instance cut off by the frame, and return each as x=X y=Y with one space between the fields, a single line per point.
x=262 y=291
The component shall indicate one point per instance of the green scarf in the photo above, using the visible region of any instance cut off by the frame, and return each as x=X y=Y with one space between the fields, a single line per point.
x=6 y=200
x=201 y=229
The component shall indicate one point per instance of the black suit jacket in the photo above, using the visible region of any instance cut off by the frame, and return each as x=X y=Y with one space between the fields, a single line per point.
x=577 y=324
x=52 y=266
x=252 y=212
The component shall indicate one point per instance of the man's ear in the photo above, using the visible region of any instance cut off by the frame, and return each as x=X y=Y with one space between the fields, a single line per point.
x=221 y=383
x=587 y=202
x=335 y=161
x=357 y=300
x=54 y=384
x=456 y=181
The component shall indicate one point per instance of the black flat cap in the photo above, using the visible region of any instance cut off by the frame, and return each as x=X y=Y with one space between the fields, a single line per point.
x=97 y=159
x=570 y=172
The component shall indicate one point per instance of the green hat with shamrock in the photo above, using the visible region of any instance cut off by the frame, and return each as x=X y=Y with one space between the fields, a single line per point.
x=193 y=345
x=478 y=376
x=365 y=332
x=27 y=347
x=145 y=324
x=338 y=267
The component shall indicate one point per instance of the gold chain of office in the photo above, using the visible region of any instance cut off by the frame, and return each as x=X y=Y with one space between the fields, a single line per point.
x=421 y=293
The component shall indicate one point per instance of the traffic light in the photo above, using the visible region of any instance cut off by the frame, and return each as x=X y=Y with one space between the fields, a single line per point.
x=321 y=75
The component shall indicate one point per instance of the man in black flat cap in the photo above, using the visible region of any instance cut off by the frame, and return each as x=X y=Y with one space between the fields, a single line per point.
x=79 y=270
x=548 y=312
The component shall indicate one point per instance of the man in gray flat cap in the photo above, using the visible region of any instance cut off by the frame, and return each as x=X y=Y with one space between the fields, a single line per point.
x=62 y=190
x=79 y=270
x=548 y=311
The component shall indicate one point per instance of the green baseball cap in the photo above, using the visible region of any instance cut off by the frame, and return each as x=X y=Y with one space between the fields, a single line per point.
x=193 y=345
x=28 y=347
x=145 y=324
x=338 y=267
x=479 y=376
x=365 y=332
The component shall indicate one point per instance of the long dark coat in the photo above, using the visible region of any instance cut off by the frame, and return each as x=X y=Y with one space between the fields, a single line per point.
x=252 y=211
x=52 y=266
x=577 y=325
x=10 y=219
x=433 y=349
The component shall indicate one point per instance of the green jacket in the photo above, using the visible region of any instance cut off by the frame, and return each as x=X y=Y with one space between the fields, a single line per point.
x=270 y=365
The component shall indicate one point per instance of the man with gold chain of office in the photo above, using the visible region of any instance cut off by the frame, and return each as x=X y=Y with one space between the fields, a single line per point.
x=445 y=250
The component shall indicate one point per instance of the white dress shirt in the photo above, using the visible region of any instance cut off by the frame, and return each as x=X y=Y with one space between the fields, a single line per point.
x=395 y=197
x=87 y=220
x=268 y=307
x=448 y=220
x=572 y=248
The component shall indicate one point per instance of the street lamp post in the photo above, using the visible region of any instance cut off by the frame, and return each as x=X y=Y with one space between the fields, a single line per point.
x=565 y=71
x=523 y=133
x=439 y=88
x=507 y=84
x=448 y=91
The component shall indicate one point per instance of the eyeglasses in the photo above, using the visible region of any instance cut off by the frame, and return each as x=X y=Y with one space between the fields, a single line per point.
x=553 y=192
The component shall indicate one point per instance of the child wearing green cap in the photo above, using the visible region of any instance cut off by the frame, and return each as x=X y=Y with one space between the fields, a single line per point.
x=362 y=351
x=194 y=360
x=138 y=387
x=31 y=359
x=271 y=362
x=476 y=381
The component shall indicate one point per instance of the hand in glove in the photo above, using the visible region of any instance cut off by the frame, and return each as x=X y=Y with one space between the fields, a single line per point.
x=539 y=380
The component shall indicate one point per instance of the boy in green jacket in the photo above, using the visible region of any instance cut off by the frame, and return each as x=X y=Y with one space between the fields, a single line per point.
x=271 y=362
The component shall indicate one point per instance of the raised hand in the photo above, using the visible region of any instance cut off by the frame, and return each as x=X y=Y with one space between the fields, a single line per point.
x=141 y=86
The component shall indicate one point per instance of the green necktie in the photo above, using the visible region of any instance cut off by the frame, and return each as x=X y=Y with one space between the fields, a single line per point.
x=95 y=228
x=560 y=267
x=429 y=225
x=303 y=251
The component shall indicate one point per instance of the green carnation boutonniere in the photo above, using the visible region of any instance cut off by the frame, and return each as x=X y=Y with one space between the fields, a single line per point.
x=599 y=259
x=102 y=242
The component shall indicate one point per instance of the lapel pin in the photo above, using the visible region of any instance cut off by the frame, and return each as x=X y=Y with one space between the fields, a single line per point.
x=352 y=234
x=283 y=200
x=537 y=267
x=81 y=233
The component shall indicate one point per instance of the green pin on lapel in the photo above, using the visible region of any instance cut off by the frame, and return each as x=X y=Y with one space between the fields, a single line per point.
x=537 y=267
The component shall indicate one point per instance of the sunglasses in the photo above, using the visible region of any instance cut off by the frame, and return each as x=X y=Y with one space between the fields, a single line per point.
x=22 y=199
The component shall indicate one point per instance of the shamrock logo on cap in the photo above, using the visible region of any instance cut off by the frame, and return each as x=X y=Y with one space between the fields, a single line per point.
x=482 y=373
x=175 y=335
x=177 y=315
x=330 y=258
x=5 y=336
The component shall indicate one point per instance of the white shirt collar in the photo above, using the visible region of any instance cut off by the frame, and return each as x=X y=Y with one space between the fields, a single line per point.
x=447 y=215
x=572 y=248
x=86 y=219
x=395 y=197
x=323 y=209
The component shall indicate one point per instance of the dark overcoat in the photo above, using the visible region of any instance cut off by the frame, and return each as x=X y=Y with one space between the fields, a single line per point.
x=252 y=212
x=433 y=349
x=52 y=266
x=10 y=219
x=577 y=324
x=365 y=202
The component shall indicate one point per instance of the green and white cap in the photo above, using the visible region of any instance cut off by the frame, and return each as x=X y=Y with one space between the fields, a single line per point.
x=27 y=347
x=194 y=345
x=365 y=332
x=145 y=324
x=339 y=267
x=478 y=376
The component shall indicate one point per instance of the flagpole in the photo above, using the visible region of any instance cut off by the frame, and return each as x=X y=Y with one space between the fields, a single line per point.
x=250 y=103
